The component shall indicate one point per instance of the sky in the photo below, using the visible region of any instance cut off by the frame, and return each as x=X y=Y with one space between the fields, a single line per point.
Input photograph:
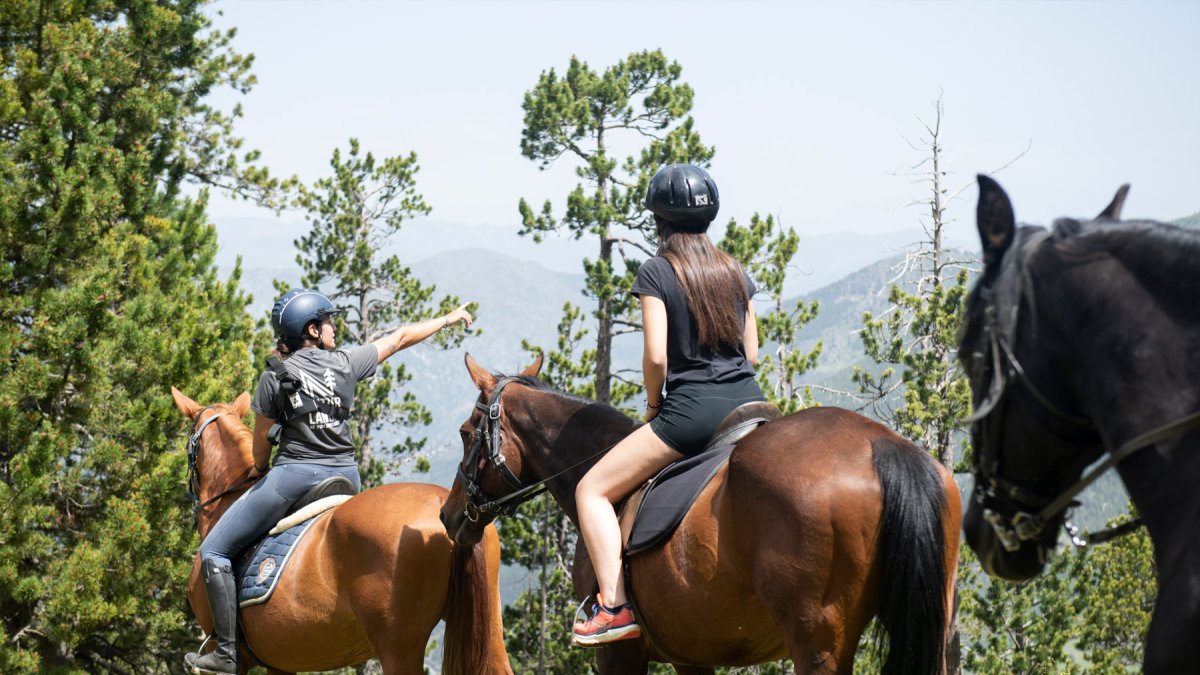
x=813 y=107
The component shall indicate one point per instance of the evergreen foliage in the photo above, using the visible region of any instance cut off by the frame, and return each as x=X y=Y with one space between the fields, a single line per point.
x=353 y=214
x=110 y=296
x=1117 y=590
x=581 y=115
x=1026 y=628
x=765 y=250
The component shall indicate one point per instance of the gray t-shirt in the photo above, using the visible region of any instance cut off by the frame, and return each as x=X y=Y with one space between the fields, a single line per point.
x=327 y=376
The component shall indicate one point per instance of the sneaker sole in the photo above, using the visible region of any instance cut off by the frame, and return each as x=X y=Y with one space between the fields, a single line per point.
x=601 y=639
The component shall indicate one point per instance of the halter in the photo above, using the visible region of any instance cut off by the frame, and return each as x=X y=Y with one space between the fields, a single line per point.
x=193 y=455
x=478 y=503
x=1032 y=511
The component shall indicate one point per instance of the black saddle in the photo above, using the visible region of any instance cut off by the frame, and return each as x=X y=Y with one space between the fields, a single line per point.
x=334 y=485
x=744 y=419
x=653 y=512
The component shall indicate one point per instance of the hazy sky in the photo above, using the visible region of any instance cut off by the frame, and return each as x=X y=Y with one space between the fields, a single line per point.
x=808 y=104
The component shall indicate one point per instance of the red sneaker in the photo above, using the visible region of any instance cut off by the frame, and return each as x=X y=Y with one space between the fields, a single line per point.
x=606 y=625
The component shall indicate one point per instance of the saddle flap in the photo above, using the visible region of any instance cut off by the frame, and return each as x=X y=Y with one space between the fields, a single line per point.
x=669 y=497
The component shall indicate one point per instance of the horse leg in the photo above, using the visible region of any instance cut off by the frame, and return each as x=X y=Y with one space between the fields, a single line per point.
x=625 y=656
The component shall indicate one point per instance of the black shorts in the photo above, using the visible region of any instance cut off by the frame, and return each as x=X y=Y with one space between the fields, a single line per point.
x=692 y=411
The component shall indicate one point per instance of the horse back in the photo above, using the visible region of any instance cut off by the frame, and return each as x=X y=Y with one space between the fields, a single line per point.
x=796 y=510
x=382 y=554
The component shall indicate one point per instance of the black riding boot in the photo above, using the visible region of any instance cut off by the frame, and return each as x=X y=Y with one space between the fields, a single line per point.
x=222 y=604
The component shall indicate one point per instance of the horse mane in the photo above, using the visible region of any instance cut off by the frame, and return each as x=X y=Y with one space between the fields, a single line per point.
x=539 y=385
x=1142 y=245
x=237 y=430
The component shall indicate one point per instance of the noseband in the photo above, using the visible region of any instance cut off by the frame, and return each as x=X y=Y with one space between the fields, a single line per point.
x=193 y=472
x=1031 y=511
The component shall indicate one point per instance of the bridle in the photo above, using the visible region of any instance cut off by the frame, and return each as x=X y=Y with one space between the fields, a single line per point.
x=1031 y=511
x=193 y=473
x=484 y=450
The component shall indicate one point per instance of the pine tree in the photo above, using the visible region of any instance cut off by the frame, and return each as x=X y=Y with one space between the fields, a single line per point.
x=1117 y=590
x=1024 y=629
x=918 y=334
x=581 y=115
x=353 y=215
x=765 y=250
x=111 y=296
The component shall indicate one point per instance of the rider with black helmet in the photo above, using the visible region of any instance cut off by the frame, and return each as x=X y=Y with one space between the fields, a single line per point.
x=309 y=391
x=701 y=342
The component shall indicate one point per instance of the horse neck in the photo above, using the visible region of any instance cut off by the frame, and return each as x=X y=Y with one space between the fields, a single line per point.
x=559 y=432
x=227 y=458
x=1124 y=305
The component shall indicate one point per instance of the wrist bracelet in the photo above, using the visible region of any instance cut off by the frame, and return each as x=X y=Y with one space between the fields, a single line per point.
x=262 y=469
x=653 y=405
x=446 y=321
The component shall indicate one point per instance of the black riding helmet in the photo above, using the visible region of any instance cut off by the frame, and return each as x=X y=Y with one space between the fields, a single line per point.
x=298 y=308
x=683 y=194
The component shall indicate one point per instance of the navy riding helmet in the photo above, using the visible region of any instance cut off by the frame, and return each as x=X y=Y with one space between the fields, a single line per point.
x=297 y=308
x=683 y=194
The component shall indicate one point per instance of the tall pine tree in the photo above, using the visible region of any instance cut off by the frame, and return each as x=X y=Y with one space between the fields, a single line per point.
x=110 y=296
x=354 y=213
x=581 y=115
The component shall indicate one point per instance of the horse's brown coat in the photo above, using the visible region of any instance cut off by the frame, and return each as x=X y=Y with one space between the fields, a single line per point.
x=778 y=557
x=370 y=579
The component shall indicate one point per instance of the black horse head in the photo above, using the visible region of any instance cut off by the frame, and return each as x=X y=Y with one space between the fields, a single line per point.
x=1032 y=432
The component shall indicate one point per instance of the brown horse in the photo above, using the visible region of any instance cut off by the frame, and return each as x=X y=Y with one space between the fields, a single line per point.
x=370 y=578
x=820 y=521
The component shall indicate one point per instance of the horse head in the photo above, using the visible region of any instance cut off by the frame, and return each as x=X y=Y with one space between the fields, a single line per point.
x=219 y=450
x=1031 y=437
x=490 y=478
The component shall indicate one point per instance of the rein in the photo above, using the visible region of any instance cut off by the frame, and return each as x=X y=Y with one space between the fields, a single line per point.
x=477 y=502
x=193 y=456
x=1025 y=525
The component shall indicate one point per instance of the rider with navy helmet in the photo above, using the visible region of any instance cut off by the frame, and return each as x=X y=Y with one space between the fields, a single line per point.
x=701 y=345
x=306 y=395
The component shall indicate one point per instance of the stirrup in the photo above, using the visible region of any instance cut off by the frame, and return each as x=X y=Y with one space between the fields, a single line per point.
x=579 y=611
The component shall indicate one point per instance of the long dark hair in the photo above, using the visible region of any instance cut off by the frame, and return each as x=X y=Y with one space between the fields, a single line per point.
x=712 y=281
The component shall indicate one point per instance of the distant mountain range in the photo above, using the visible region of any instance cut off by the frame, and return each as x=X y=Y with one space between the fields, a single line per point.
x=522 y=299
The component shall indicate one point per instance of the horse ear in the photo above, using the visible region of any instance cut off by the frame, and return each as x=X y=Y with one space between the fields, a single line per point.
x=242 y=404
x=1113 y=210
x=186 y=405
x=482 y=378
x=534 y=368
x=994 y=218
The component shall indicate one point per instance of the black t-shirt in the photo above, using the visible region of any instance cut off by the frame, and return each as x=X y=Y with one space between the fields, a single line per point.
x=687 y=361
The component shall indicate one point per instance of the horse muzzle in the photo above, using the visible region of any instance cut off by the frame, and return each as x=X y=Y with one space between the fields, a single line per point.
x=464 y=524
x=1000 y=552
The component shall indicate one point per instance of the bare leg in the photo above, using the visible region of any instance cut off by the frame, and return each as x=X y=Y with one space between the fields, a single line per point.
x=633 y=461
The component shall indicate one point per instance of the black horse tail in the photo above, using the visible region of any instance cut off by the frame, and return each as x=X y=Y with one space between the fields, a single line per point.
x=914 y=583
x=474 y=637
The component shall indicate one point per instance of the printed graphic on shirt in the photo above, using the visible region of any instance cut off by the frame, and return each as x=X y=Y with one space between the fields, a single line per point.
x=325 y=391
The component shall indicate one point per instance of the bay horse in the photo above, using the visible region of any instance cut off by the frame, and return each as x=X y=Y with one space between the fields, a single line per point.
x=818 y=522
x=1079 y=341
x=370 y=579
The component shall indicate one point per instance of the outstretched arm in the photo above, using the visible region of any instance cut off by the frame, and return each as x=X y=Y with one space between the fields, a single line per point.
x=407 y=336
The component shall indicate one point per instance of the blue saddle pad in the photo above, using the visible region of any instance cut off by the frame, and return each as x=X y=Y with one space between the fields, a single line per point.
x=670 y=496
x=261 y=567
